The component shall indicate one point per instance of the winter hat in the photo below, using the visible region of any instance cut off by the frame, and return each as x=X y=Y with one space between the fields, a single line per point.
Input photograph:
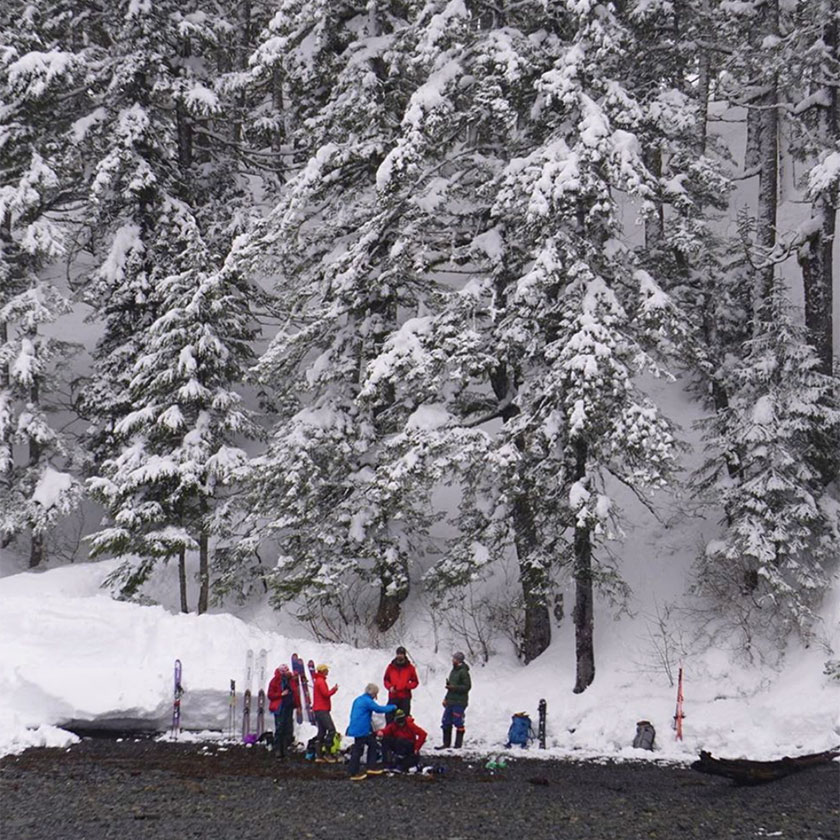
x=284 y=669
x=458 y=656
x=399 y=715
x=400 y=651
x=322 y=669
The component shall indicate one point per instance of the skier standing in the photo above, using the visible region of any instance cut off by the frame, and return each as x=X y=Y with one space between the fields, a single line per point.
x=281 y=703
x=400 y=679
x=361 y=730
x=458 y=685
x=322 y=705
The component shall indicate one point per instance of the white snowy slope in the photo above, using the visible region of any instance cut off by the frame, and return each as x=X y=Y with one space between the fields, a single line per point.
x=71 y=654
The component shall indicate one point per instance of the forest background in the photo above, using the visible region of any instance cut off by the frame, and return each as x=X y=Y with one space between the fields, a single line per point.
x=353 y=307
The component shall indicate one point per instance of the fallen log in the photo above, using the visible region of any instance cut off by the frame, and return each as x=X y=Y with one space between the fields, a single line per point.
x=746 y=772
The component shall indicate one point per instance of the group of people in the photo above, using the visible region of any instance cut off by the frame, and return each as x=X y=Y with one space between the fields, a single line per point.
x=401 y=738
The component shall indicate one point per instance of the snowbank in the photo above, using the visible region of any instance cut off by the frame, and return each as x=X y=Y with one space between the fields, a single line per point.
x=73 y=656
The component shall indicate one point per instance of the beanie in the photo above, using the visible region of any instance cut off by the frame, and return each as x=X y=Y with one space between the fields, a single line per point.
x=400 y=651
x=322 y=669
x=458 y=656
x=399 y=715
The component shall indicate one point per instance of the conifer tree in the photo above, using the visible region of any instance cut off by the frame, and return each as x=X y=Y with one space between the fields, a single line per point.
x=548 y=333
x=163 y=487
x=176 y=326
x=36 y=491
x=341 y=251
x=776 y=556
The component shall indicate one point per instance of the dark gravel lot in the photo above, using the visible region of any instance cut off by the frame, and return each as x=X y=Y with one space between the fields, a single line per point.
x=144 y=789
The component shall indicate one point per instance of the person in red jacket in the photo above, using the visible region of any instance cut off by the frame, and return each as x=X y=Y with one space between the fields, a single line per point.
x=401 y=742
x=281 y=703
x=400 y=679
x=321 y=705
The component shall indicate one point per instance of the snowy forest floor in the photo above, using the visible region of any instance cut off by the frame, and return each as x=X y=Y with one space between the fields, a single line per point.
x=102 y=788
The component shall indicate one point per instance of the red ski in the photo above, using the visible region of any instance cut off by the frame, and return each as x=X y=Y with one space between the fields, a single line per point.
x=678 y=714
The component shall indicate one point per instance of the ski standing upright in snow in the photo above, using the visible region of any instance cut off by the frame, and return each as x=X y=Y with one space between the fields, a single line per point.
x=262 y=662
x=246 y=701
x=176 y=701
x=541 y=710
x=679 y=714
x=232 y=709
x=306 y=700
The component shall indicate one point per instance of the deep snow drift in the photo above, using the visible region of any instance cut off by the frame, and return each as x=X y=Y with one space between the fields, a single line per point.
x=71 y=655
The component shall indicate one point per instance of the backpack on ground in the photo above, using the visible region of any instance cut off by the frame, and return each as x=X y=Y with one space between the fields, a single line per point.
x=520 y=732
x=645 y=735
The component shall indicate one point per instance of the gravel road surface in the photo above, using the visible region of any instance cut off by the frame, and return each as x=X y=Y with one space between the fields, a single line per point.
x=129 y=789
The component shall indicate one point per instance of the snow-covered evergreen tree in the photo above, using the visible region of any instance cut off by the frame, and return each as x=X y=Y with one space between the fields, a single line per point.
x=549 y=333
x=179 y=451
x=778 y=552
x=346 y=258
x=36 y=70
x=684 y=244
x=176 y=326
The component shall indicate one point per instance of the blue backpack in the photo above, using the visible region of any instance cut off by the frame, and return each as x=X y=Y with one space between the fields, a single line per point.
x=520 y=732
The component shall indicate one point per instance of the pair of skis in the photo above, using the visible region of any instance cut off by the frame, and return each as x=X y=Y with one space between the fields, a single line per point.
x=248 y=736
x=303 y=685
x=299 y=674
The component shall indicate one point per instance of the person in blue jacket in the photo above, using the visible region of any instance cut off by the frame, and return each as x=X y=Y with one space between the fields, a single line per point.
x=361 y=729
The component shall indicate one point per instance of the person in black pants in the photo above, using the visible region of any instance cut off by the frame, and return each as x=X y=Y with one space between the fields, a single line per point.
x=281 y=703
x=401 y=742
x=361 y=729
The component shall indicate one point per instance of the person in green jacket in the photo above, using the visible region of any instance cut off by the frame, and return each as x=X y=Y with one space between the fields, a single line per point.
x=458 y=685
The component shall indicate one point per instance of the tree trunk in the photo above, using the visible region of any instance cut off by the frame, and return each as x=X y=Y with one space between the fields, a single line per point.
x=744 y=771
x=533 y=576
x=6 y=447
x=536 y=635
x=203 y=572
x=703 y=86
x=243 y=48
x=6 y=459
x=815 y=259
x=182 y=579
x=768 y=181
x=393 y=590
x=655 y=221
x=583 y=614
x=278 y=138
x=816 y=254
x=37 y=550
